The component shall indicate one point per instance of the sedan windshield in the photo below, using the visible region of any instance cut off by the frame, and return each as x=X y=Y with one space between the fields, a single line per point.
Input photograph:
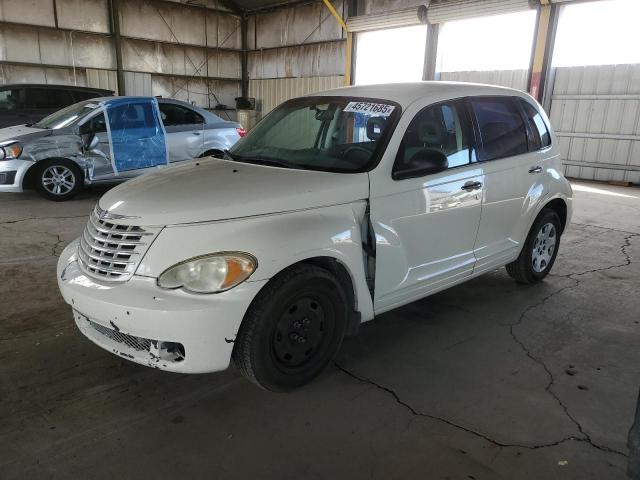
x=67 y=116
x=336 y=134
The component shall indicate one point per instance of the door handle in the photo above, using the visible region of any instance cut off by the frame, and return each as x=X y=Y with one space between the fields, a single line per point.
x=536 y=169
x=471 y=186
x=196 y=133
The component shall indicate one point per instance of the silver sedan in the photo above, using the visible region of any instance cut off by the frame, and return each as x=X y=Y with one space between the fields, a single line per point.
x=107 y=140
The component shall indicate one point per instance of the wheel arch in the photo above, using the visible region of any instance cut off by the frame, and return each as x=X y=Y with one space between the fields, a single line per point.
x=559 y=206
x=210 y=152
x=344 y=277
x=28 y=179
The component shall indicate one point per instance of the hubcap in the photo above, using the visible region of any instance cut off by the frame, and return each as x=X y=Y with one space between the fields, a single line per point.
x=543 y=247
x=58 y=179
x=300 y=332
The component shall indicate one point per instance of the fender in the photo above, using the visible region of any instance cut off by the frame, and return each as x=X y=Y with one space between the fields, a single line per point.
x=540 y=195
x=276 y=240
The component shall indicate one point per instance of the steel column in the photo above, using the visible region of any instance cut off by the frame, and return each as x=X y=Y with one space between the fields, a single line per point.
x=114 y=17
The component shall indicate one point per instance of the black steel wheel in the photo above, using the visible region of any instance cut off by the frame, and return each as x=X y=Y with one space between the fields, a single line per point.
x=293 y=329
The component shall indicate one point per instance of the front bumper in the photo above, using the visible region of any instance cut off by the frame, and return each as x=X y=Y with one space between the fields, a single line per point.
x=135 y=319
x=15 y=170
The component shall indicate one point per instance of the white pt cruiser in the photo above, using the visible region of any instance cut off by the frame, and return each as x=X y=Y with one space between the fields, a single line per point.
x=337 y=207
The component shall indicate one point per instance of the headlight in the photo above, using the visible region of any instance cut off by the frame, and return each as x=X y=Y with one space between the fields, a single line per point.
x=209 y=273
x=10 y=151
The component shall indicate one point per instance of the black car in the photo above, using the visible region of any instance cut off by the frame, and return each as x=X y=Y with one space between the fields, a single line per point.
x=28 y=103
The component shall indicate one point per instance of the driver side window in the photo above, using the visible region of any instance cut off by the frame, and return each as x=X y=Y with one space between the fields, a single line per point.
x=437 y=128
x=96 y=124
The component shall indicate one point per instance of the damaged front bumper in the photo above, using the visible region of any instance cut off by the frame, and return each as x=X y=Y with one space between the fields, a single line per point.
x=166 y=329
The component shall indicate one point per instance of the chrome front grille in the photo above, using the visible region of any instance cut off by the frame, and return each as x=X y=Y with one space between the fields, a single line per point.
x=111 y=251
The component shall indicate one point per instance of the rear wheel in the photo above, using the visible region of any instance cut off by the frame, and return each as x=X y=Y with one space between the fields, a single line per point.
x=540 y=249
x=58 y=180
x=293 y=329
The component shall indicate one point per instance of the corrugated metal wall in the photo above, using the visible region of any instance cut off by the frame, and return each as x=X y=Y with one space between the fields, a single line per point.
x=294 y=51
x=169 y=47
x=596 y=113
x=269 y=93
x=506 y=78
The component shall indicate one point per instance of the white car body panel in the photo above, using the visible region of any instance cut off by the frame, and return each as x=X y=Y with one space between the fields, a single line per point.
x=429 y=232
x=213 y=189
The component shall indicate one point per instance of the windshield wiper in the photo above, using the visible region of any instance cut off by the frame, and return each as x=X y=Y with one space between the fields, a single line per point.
x=261 y=161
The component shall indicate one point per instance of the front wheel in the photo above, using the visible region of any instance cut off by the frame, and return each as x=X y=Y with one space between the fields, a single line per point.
x=293 y=329
x=58 y=180
x=540 y=249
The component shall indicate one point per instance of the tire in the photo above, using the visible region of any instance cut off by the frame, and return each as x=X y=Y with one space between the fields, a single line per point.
x=293 y=329
x=540 y=249
x=58 y=180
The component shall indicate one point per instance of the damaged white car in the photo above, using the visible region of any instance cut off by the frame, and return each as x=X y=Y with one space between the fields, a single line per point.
x=337 y=207
x=107 y=140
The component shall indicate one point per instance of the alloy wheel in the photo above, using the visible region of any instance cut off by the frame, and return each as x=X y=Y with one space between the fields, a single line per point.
x=58 y=180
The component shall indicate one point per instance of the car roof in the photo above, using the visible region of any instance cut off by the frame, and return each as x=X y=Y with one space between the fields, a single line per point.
x=211 y=117
x=407 y=93
x=54 y=86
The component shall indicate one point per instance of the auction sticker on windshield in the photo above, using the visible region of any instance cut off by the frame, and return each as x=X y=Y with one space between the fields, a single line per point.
x=366 y=107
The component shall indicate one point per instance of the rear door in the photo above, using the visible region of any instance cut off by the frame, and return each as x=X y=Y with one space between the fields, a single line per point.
x=505 y=159
x=185 y=131
x=425 y=226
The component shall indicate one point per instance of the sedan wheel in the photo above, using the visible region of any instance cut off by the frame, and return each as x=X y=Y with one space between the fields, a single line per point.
x=58 y=179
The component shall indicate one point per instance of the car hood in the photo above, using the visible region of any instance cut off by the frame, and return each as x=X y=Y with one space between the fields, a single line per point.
x=214 y=189
x=22 y=133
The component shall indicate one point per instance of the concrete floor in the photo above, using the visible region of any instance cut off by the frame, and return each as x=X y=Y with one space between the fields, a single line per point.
x=487 y=380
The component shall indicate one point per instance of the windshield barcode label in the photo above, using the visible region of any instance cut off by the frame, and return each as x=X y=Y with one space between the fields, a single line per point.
x=372 y=108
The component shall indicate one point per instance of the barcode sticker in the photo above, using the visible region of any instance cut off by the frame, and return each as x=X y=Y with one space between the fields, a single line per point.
x=373 y=108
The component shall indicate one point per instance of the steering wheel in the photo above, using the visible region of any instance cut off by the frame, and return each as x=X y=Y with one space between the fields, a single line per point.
x=352 y=148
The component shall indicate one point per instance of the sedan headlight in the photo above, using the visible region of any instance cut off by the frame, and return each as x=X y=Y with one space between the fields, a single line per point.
x=9 y=152
x=209 y=273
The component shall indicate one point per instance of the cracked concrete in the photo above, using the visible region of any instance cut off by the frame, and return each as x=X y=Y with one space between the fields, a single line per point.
x=487 y=380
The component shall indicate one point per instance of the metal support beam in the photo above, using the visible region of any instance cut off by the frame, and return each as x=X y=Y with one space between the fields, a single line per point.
x=431 y=52
x=545 y=33
x=114 y=17
x=350 y=47
x=244 y=27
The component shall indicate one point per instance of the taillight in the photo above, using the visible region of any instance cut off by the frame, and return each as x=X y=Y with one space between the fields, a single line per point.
x=241 y=131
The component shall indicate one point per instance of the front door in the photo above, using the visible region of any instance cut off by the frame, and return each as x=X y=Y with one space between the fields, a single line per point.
x=99 y=164
x=426 y=225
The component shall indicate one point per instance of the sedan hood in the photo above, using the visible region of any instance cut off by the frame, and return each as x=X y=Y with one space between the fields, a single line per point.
x=214 y=189
x=22 y=133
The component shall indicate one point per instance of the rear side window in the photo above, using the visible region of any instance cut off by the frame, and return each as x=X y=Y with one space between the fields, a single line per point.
x=9 y=100
x=502 y=129
x=48 y=98
x=540 y=132
x=173 y=115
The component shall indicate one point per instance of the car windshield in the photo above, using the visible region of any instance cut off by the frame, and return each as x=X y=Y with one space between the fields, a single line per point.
x=67 y=116
x=336 y=134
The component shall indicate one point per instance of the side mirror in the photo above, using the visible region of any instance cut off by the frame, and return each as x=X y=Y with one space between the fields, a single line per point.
x=89 y=141
x=423 y=162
